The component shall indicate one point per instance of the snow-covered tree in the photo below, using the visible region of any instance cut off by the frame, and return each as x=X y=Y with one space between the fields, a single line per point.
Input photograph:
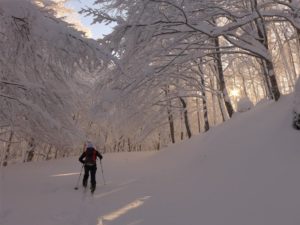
x=243 y=24
x=158 y=41
x=43 y=64
x=244 y=104
x=178 y=68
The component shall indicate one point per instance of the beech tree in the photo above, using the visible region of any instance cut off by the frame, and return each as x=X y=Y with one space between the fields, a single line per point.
x=42 y=64
x=236 y=19
x=154 y=37
x=169 y=69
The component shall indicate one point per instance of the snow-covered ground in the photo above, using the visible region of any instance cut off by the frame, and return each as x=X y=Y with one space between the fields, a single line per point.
x=243 y=172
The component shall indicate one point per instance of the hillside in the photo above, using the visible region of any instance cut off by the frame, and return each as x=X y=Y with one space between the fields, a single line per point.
x=243 y=172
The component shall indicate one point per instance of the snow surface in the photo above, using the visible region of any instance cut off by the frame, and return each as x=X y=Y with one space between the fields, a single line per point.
x=244 y=104
x=243 y=172
x=297 y=97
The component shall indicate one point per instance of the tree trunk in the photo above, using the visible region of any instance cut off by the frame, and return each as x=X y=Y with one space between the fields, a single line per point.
x=267 y=86
x=171 y=124
x=170 y=116
x=203 y=93
x=186 y=118
x=30 y=152
x=298 y=45
x=129 y=145
x=205 y=112
x=48 y=152
x=5 y=161
x=292 y=62
x=297 y=40
x=198 y=115
x=221 y=107
x=213 y=99
x=269 y=67
x=157 y=145
x=273 y=82
x=223 y=89
x=181 y=126
x=252 y=83
x=56 y=153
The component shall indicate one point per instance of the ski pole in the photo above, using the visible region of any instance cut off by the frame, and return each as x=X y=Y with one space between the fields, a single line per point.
x=102 y=172
x=76 y=187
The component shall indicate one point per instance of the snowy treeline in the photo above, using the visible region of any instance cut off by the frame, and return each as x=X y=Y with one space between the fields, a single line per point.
x=169 y=70
x=46 y=68
x=186 y=64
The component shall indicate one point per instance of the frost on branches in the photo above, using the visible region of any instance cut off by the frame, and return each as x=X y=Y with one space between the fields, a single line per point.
x=195 y=51
x=43 y=64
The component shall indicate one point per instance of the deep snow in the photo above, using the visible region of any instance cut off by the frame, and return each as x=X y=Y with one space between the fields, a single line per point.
x=243 y=172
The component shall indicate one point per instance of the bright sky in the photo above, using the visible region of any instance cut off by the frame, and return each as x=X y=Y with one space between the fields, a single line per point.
x=97 y=30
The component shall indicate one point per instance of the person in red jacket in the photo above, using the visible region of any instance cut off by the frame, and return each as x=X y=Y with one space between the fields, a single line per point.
x=88 y=158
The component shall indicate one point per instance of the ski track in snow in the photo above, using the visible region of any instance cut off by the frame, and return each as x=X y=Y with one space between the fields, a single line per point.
x=43 y=192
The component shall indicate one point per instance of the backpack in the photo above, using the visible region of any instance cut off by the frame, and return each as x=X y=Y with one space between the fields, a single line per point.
x=91 y=156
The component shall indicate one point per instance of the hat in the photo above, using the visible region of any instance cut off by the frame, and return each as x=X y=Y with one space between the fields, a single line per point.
x=89 y=144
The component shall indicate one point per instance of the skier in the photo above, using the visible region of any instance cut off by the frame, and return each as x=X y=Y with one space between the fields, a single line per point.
x=88 y=158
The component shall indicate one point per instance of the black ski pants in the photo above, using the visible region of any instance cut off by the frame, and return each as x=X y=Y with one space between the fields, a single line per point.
x=89 y=169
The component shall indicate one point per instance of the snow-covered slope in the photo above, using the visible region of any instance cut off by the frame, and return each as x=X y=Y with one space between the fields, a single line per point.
x=244 y=172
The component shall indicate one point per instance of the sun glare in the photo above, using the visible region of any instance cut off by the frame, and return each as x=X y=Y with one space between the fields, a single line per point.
x=124 y=210
x=234 y=92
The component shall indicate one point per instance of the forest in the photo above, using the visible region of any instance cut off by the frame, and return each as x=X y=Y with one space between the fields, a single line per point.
x=169 y=70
